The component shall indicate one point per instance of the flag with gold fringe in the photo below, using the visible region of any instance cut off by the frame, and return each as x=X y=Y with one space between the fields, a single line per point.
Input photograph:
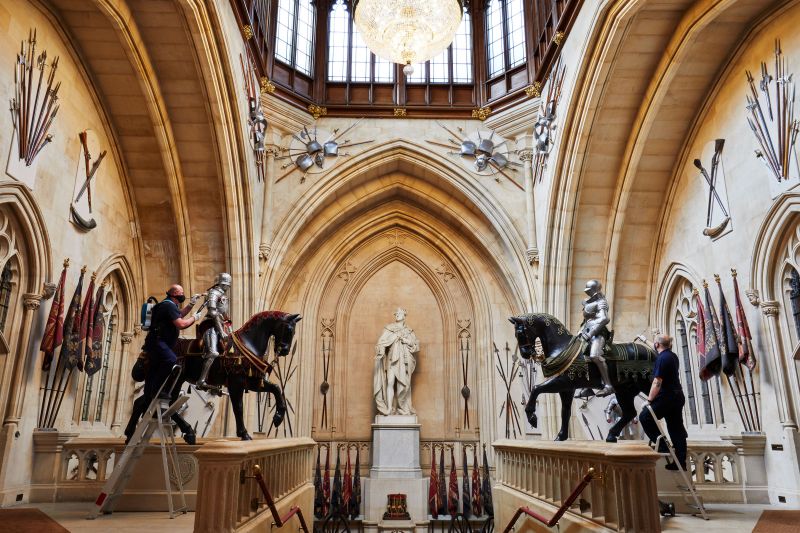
x=466 y=504
x=326 y=482
x=713 y=359
x=477 y=506
x=355 y=501
x=336 y=494
x=746 y=354
x=452 y=493
x=318 y=500
x=486 y=492
x=727 y=337
x=442 y=495
x=70 y=348
x=94 y=337
x=433 y=486
x=347 y=488
x=54 y=330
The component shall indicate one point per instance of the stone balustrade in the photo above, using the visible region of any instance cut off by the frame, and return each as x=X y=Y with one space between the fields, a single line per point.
x=68 y=468
x=229 y=499
x=541 y=475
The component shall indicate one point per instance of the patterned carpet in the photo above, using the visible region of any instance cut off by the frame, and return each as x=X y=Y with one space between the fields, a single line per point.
x=778 y=522
x=28 y=521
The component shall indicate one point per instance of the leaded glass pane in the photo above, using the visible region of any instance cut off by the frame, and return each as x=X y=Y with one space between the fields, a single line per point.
x=515 y=22
x=284 y=35
x=305 y=37
x=419 y=74
x=338 y=37
x=688 y=374
x=462 y=52
x=494 y=38
x=5 y=295
x=359 y=58
x=108 y=344
x=384 y=70
x=439 y=67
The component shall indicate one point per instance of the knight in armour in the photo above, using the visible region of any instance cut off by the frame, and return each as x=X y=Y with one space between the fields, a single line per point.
x=216 y=325
x=595 y=331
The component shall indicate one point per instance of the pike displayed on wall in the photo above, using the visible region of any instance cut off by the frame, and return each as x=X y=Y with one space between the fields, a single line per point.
x=33 y=110
x=544 y=129
x=771 y=117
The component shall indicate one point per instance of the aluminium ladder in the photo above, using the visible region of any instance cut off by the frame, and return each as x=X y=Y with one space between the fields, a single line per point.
x=683 y=480
x=158 y=416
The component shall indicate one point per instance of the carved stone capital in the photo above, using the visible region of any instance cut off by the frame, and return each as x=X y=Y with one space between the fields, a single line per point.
x=264 y=250
x=525 y=155
x=48 y=290
x=533 y=255
x=753 y=296
x=126 y=337
x=31 y=301
x=770 y=308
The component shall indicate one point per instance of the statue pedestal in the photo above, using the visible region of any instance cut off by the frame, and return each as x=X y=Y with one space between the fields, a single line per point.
x=395 y=469
x=395 y=447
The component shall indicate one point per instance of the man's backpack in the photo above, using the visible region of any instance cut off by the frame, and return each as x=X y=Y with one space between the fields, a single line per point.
x=147 y=312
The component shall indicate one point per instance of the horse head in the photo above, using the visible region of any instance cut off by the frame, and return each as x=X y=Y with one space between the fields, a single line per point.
x=529 y=327
x=255 y=334
x=284 y=333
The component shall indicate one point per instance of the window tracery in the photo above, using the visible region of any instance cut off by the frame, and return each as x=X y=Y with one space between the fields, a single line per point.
x=790 y=279
x=5 y=294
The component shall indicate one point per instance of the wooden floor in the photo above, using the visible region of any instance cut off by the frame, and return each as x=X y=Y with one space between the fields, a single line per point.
x=724 y=519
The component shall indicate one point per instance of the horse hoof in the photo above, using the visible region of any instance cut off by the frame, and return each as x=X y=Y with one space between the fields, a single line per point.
x=190 y=438
x=560 y=438
x=277 y=420
x=533 y=420
x=611 y=438
x=245 y=436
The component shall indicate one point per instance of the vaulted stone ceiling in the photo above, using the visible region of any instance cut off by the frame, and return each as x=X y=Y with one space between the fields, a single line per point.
x=141 y=58
x=654 y=64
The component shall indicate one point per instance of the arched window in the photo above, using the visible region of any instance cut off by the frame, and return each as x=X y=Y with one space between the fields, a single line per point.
x=294 y=35
x=688 y=376
x=505 y=35
x=5 y=294
x=108 y=346
x=349 y=58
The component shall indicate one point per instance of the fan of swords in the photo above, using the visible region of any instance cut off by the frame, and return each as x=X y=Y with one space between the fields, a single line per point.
x=774 y=117
x=486 y=151
x=713 y=195
x=310 y=150
x=30 y=115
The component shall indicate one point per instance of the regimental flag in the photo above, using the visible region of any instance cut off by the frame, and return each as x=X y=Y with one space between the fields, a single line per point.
x=713 y=362
x=326 y=482
x=70 y=348
x=746 y=354
x=700 y=341
x=452 y=493
x=433 y=487
x=728 y=341
x=54 y=330
x=355 y=501
x=486 y=489
x=319 y=502
x=466 y=504
x=477 y=507
x=94 y=339
x=442 y=494
x=347 y=490
x=336 y=495
x=87 y=322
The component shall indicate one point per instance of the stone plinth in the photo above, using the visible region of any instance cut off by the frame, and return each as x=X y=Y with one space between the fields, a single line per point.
x=395 y=448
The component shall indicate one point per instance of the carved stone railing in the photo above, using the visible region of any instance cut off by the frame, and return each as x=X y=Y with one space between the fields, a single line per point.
x=540 y=475
x=68 y=468
x=730 y=470
x=229 y=499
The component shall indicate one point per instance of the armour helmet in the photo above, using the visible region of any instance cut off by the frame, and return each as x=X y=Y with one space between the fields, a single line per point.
x=223 y=279
x=592 y=287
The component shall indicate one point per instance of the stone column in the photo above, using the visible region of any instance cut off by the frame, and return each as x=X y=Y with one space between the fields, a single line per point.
x=126 y=338
x=265 y=247
x=30 y=302
x=532 y=248
x=783 y=393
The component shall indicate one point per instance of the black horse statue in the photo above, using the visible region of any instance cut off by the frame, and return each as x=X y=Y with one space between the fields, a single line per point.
x=240 y=366
x=567 y=366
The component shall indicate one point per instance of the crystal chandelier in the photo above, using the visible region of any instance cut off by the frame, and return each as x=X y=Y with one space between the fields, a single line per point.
x=407 y=31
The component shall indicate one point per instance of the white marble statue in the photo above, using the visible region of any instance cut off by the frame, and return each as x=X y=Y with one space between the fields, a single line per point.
x=394 y=364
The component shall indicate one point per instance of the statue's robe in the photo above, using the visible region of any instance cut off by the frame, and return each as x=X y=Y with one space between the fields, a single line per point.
x=395 y=359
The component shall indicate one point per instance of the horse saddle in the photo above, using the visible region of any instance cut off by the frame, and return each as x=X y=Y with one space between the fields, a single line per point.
x=197 y=346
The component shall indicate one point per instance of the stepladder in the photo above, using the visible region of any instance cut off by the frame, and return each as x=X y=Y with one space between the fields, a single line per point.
x=157 y=417
x=683 y=478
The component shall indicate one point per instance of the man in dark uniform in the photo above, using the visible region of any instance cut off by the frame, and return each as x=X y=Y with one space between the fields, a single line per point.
x=167 y=320
x=667 y=400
